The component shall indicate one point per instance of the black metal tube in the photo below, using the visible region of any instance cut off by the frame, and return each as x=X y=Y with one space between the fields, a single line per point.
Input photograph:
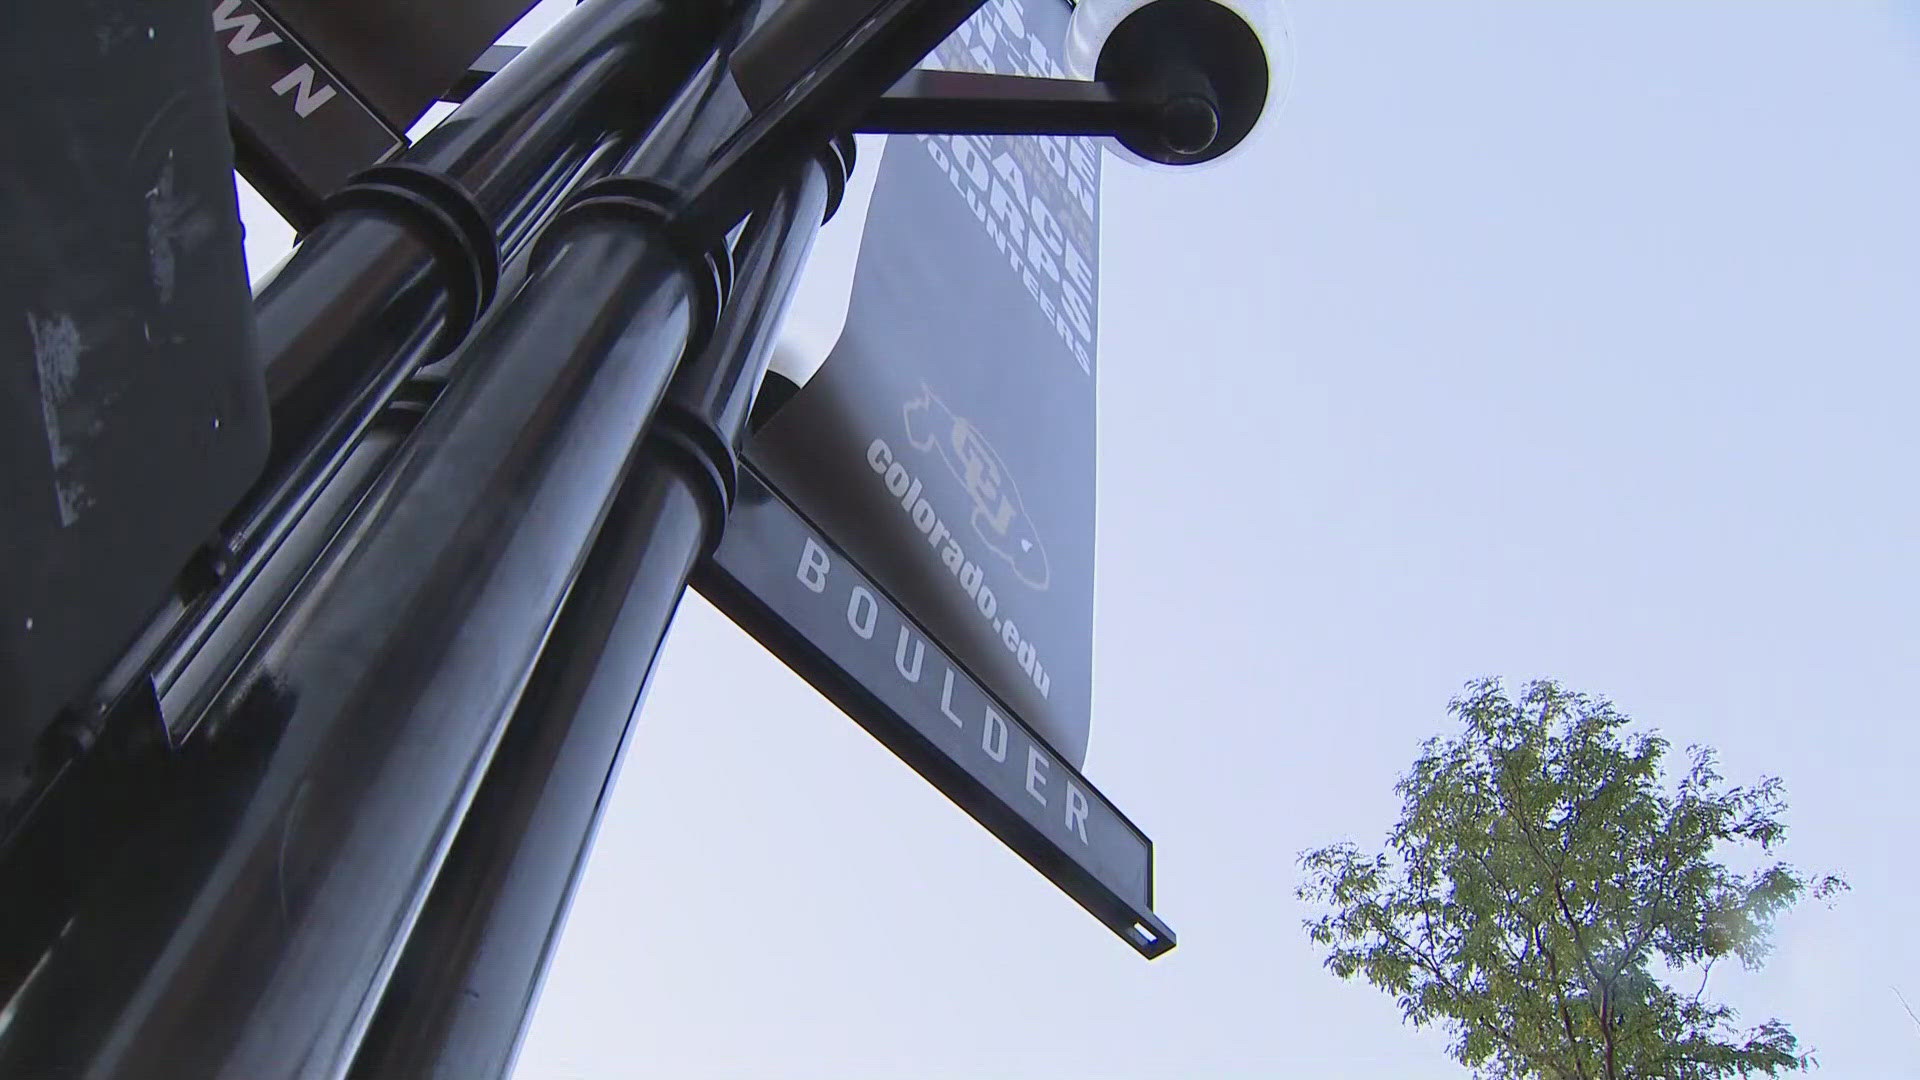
x=71 y=853
x=209 y=643
x=393 y=251
x=460 y=998
x=119 y=860
x=186 y=679
x=962 y=102
x=397 y=663
x=795 y=77
x=382 y=288
x=212 y=636
x=65 y=854
x=345 y=749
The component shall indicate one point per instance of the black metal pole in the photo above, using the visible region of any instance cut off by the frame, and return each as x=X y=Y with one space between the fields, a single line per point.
x=395 y=666
x=371 y=706
x=267 y=893
x=96 y=886
x=406 y=261
x=416 y=241
x=52 y=850
x=210 y=642
x=459 y=1001
x=804 y=74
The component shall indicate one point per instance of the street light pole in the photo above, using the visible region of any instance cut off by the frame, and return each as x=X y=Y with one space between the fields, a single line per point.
x=355 y=850
x=465 y=987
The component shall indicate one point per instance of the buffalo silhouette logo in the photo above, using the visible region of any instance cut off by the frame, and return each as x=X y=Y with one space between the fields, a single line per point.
x=998 y=516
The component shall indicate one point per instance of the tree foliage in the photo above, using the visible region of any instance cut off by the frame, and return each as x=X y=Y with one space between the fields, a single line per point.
x=1554 y=901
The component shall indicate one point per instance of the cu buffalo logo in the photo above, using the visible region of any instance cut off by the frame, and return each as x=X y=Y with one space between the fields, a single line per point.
x=998 y=516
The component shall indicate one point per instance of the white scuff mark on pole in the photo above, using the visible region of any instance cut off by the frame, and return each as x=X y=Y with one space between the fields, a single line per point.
x=56 y=358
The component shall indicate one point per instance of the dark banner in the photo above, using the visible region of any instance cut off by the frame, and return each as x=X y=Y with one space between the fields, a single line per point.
x=947 y=443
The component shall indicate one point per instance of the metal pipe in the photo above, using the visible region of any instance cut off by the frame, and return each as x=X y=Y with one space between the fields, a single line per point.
x=56 y=878
x=345 y=749
x=65 y=853
x=421 y=232
x=113 y=874
x=804 y=73
x=205 y=648
x=214 y=634
x=459 y=1001
x=396 y=663
x=962 y=102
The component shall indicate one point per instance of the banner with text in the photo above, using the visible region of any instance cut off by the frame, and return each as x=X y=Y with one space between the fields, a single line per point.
x=947 y=443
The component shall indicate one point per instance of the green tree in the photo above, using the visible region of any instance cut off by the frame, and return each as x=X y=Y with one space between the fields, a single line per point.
x=1556 y=903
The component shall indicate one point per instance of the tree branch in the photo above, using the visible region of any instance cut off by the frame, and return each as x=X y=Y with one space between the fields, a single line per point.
x=1518 y=813
x=1606 y=1029
x=1653 y=918
x=1432 y=967
x=1601 y=988
x=1508 y=894
x=1708 y=970
x=1560 y=1000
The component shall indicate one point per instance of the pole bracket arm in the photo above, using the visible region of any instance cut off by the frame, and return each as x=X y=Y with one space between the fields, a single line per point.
x=926 y=101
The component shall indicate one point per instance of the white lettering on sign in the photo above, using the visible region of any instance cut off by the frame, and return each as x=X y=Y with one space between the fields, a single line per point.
x=1036 y=774
x=967 y=574
x=1077 y=811
x=985 y=735
x=813 y=567
x=909 y=672
x=246 y=26
x=861 y=611
x=1035 y=197
x=946 y=701
x=993 y=735
x=307 y=97
x=1050 y=265
x=303 y=82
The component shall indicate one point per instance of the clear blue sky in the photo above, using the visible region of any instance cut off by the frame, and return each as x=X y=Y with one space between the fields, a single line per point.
x=1569 y=340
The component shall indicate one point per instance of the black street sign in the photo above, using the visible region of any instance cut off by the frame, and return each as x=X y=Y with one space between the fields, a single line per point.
x=400 y=56
x=802 y=598
x=300 y=132
x=318 y=90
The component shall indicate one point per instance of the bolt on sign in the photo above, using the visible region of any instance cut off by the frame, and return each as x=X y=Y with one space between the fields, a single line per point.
x=915 y=532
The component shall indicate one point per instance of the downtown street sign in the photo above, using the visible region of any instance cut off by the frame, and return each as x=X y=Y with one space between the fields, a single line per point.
x=785 y=583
